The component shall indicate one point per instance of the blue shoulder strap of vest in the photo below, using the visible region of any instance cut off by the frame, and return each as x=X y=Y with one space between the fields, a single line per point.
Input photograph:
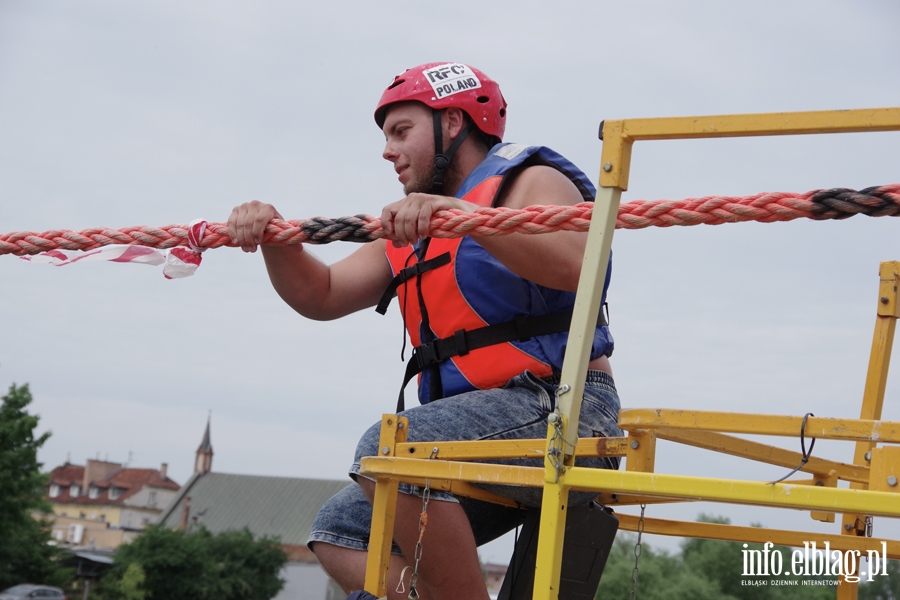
x=504 y=158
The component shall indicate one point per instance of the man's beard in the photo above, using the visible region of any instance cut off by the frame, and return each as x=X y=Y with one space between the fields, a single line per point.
x=422 y=183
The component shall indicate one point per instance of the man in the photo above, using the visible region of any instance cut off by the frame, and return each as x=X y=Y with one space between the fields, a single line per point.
x=443 y=123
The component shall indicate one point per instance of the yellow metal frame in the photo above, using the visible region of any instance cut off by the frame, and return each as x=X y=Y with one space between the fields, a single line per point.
x=872 y=474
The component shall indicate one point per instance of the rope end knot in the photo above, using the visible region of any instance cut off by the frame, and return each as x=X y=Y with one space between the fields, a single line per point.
x=181 y=261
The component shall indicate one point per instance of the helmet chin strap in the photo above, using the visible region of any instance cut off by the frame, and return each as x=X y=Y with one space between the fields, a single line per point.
x=442 y=159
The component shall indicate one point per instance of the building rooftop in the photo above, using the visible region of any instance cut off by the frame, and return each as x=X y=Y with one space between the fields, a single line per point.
x=121 y=483
x=268 y=506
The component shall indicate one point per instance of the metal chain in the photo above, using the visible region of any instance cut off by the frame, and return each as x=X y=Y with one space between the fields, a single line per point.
x=423 y=521
x=555 y=450
x=638 y=549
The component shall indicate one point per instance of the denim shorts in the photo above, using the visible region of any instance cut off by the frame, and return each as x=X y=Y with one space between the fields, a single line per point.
x=518 y=410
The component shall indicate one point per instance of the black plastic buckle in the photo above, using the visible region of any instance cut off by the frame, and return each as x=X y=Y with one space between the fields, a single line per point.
x=425 y=355
x=409 y=272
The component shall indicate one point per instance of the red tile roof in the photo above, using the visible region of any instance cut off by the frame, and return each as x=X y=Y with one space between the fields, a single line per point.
x=129 y=481
x=67 y=475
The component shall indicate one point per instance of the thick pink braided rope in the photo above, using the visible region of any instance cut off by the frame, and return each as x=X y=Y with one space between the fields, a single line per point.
x=711 y=210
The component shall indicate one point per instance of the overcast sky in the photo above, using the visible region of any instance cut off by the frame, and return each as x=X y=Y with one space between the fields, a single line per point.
x=150 y=113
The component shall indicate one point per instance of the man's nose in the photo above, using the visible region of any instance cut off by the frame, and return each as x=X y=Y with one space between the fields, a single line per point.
x=389 y=153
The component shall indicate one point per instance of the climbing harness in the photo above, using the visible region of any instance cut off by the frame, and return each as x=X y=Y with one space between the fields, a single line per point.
x=406 y=274
x=522 y=329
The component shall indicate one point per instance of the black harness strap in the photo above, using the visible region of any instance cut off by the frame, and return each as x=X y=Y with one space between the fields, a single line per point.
x=441 y=164
x=436 y=387
x=462 y=342
x=406 y=274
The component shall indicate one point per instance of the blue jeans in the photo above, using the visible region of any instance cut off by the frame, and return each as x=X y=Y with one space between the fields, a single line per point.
x=518 y=410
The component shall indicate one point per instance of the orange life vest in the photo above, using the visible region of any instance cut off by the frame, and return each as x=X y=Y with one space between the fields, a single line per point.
x=451 y=290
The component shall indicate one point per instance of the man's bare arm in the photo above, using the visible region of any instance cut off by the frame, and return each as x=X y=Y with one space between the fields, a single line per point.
x=549 y=259
x=312 y=288
x=325 y=292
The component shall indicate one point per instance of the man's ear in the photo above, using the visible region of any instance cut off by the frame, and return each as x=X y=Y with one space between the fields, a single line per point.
x=454 y=122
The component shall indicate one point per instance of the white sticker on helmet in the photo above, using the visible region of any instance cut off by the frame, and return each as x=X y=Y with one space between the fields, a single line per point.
x=451 y=78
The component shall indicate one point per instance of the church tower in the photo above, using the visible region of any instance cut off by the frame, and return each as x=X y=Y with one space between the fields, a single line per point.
x=203 y=462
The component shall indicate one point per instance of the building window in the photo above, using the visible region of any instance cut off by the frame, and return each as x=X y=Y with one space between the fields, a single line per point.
x=94 y=492
x=103 y=518
x=75 y=491
x=114 y=493
x=145 y=521
x=54 y=490
x=152 y=498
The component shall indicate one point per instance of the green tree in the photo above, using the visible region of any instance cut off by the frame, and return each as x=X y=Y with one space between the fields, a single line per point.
x=196 y=565
x=660 y=576
x=25 y=554
x=131 y=585
x=882 y=587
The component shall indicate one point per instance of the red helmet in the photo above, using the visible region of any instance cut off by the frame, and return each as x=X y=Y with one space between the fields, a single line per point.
x=446 y=85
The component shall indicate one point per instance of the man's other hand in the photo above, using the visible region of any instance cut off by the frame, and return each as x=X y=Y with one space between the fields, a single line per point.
x=247 y=223
x=409 y=220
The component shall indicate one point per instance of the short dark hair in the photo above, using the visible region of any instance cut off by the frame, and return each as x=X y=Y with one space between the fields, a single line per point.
x=483 y=141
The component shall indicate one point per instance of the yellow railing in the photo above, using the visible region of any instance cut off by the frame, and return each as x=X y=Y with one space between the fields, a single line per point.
x=872 y=474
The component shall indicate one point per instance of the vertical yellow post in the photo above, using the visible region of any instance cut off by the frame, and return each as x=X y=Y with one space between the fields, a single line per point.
x=384 y=509
x=553 y=520
x=587 y=307
x=562 y=435
x=873 y=395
